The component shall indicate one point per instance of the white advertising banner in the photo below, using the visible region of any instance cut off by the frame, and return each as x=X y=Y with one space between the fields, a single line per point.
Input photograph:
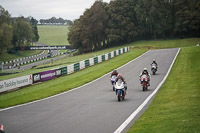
x=15 y=83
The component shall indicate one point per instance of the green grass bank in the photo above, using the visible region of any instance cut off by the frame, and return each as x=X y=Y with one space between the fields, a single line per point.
x=53 y=34
x=18 y=55
x=175 y=108
x=172 y=43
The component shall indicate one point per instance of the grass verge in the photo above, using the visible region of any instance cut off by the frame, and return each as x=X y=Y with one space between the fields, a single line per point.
x=53 y=34
x=66 y=83
x=175 y=109
x=173 y=43
x=20 y=54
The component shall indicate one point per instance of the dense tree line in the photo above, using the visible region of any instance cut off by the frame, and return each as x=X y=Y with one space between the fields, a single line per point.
x=16 y=31
x=124 y=21
x=55 y=21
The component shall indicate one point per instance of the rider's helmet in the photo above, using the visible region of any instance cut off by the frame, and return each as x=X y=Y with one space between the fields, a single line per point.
x=114 y=71
x=154 y=60
x=145 y=71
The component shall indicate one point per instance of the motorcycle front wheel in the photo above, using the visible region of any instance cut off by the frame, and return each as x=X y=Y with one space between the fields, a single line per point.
x=118 y=95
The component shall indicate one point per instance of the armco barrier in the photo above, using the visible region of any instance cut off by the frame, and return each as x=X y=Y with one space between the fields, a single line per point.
x=87 y=63
x=76 y=67
x=95 y=60
x=82 y=65
x=51 y=74
x=63 y=71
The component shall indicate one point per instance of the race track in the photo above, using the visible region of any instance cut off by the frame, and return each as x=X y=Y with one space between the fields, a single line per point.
x=92 y=108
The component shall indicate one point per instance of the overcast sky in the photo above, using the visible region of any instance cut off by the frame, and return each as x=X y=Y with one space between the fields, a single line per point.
x=45 y=9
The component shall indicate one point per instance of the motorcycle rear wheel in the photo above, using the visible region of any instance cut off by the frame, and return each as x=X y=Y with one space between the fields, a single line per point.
x=143 y=88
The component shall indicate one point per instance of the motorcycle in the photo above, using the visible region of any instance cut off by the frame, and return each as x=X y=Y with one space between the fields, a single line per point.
x=112 y=80
x=120 y=90
x=144 y=82
x=153 y=69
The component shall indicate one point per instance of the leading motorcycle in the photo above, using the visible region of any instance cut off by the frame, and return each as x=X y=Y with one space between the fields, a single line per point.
x=120 y=90
x=153 y=68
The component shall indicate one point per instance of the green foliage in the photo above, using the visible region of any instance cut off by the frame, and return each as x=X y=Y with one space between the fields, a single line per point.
x=187 y=16
x=34 y=28
x=5 y=37
x=175 y=108
x=88 y=32
x=5 y=30
x=130 y=20
x=22 y=33
x=16 y=31
x=122 y=22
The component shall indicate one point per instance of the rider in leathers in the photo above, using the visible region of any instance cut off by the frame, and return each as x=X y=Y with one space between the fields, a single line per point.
x=114 y=73
x=119 y=76
x=145 y=71
x=154 y=62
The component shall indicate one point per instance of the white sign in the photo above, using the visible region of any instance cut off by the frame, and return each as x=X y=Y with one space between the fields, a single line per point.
x=15 y=83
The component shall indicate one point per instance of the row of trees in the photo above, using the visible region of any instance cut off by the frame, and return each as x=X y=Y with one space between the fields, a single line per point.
x=124 y=21
x=54 y=20
x=16 y=31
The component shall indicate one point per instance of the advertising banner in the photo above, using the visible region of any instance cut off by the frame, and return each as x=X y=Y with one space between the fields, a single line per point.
x=36 y=77
x=47 y=75
x=15 y=83
x=60 y=47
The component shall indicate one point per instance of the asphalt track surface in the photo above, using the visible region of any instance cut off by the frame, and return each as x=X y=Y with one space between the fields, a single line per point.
x=92 y=108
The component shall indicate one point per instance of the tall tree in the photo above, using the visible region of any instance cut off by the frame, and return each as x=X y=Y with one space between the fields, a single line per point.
x=22 y=33
x=5 y=30
x=122 y=25
x=95 y=21
x=74 y=36
x=187 y=17
x=89 y=29
x=34 y=23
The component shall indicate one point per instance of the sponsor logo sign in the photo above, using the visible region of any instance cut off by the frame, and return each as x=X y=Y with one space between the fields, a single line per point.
x=36 y=77
x=15 y=83
x=47 y=75
x=60 y=47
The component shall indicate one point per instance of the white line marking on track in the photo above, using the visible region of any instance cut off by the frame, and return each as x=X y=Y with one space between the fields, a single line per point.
x=132 y=116
x=72 y=89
